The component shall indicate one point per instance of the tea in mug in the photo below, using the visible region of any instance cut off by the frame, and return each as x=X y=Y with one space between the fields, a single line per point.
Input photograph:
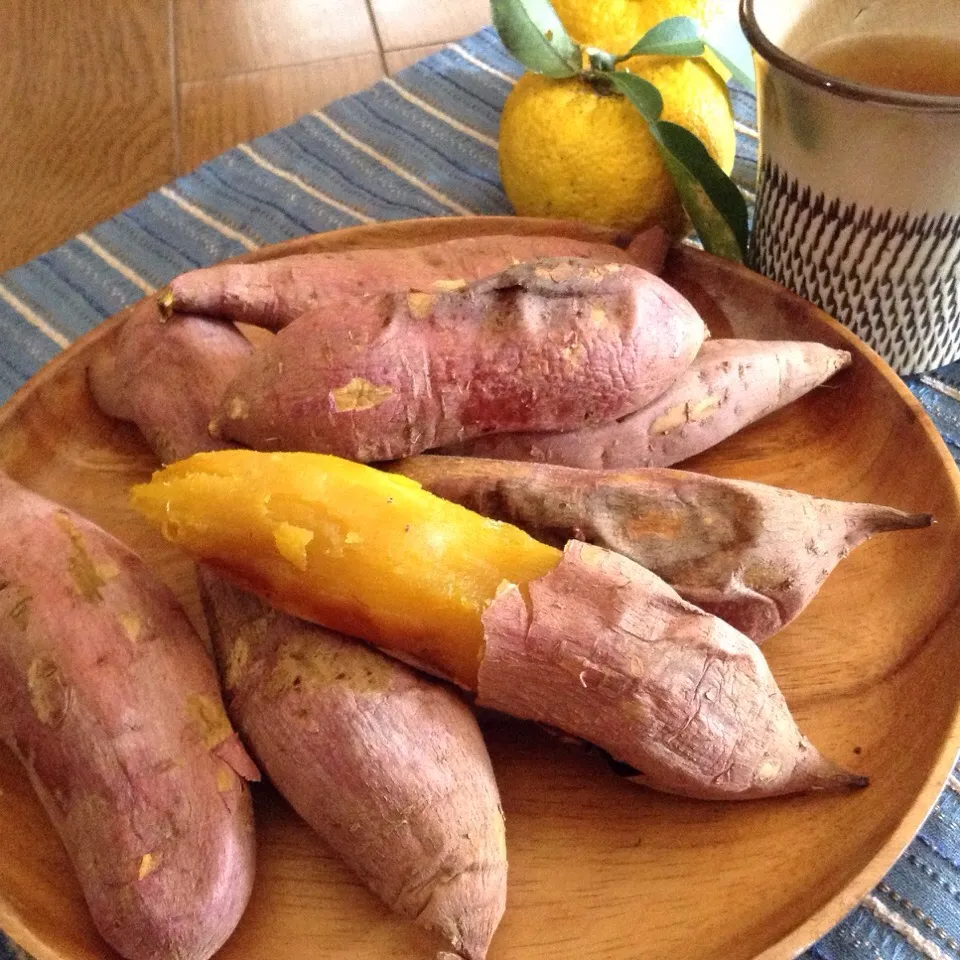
x=929 y=65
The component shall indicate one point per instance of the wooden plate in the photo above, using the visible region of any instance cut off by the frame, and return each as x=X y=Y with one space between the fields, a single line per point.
x=600 y=868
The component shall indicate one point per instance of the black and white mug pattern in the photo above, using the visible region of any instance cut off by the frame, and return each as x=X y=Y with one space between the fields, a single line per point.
x=890 y=277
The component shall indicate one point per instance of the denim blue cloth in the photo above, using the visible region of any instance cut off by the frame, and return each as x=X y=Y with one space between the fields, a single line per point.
x=423 y=143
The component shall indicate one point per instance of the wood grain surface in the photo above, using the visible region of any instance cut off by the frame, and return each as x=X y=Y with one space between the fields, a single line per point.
x=601 y=869
x=216 y=114
x=436 y=22
x=102 y=101
x=86 y=111
x=396 y=60
x=218 y=38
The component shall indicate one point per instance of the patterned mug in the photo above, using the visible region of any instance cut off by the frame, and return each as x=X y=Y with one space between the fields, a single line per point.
x=858 y=194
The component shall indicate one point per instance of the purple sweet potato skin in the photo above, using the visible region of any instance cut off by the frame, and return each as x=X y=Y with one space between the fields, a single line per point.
x=605 y=650
x=729 y=385
x=111 y=703
x=751 y=554
x=167 y=376
x=276 y=292
x=548 y=345
x=389 y=768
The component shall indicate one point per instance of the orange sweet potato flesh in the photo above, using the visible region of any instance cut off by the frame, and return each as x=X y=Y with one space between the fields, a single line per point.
x=110 y=701
x=388 y=767
x=357 y=550
x=752 y=554
x=375 y=556
x=274 y=293
x=547 y=345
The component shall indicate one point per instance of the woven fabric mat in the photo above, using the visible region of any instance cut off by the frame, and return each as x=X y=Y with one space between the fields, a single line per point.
x=423 y=143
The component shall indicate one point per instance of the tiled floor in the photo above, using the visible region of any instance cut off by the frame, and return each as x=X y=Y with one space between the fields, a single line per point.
x=104 y=100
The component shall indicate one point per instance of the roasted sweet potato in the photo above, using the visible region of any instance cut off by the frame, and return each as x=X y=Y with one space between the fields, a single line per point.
x=752 y=554
x=273 y=293
x=167 y=377
x=606 y=650
x=389 y=768
x=547 y=345
x=110 y=701
x=729 y=385
x=301 y=504
x=683 y=696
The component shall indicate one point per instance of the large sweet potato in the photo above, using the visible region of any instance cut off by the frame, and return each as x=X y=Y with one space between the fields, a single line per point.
x=658 y=683
x=388 y=767
x=168 y=377
x=752 y=554
x=547 y=345
x=273 y=293
x=729 y=385
x=604 y=649
x=110 y=701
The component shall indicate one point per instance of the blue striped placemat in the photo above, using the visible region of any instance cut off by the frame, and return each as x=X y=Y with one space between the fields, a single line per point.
x=423 y=143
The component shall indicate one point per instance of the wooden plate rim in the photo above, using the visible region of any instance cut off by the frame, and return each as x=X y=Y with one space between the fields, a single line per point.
x=831 y=913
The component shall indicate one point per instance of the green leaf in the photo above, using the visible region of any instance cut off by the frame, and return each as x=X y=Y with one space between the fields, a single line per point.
x=533 y=33
x=675 y=37
x=710 y=197
x=641 y=93
x=726 y=42
x=712 y=200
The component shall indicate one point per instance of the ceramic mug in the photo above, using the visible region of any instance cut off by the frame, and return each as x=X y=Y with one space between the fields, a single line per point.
x=858 y=193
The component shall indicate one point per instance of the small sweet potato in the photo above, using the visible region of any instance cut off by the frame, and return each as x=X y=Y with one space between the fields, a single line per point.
x=389 y=768
x=752 y=554
x=547 y=345
x=273 y=293
x=729 y=385
x=659 y=684
x=110 y=701
x=168 y=377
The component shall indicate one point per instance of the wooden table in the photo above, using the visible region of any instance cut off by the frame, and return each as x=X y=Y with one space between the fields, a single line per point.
x=102 y=101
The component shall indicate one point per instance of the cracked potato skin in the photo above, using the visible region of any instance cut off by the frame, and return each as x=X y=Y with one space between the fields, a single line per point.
x=274 y=293
x=374 y=555
x=111 y=703
x=389 y=768
x=604 y=649
x=752 y=554
x=547 y=345
x=167 y=376
x=729 y=385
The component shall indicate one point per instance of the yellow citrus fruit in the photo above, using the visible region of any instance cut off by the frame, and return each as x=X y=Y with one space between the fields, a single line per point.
x=616 y=25
x=569 y=151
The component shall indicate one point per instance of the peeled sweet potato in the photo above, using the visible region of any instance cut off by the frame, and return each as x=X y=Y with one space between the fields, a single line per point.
x=752 y=554
x=389 y=768
x=547 y=345
x=729 y=385
x=299 y=519
x=274 y=293
x=111 y=703
x=659 y=684
x=168 y=377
